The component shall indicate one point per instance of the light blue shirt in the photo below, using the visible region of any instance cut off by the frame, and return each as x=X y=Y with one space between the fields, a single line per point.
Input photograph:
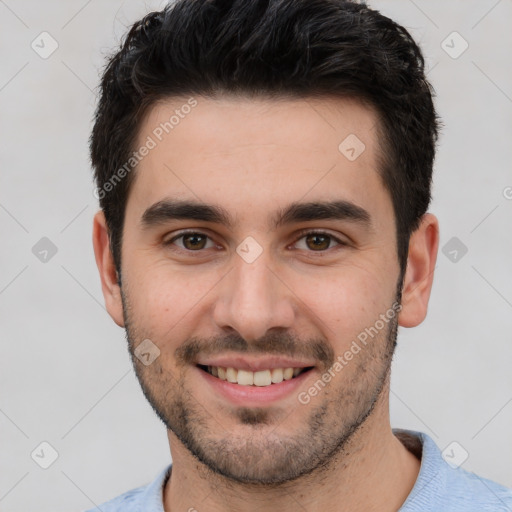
x=438 y=488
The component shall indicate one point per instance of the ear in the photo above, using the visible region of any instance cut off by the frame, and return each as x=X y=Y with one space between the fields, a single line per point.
x=419 y=274
x=107 y=269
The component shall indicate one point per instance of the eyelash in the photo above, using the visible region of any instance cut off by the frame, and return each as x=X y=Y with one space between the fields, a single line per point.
x=300 y=235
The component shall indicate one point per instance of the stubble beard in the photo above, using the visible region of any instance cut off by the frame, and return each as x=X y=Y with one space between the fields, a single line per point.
x=267 y=452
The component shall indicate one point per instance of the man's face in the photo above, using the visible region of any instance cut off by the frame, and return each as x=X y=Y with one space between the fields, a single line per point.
x=266 y=292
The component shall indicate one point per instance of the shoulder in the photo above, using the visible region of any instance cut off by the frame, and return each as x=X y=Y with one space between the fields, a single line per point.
x=127 y=502
x=147 y=498
x=442 y=486
x=474 y=492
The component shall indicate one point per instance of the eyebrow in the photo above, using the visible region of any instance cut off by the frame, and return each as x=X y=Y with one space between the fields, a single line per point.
x=169 y=209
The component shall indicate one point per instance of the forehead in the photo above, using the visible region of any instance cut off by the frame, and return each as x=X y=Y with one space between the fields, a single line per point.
x=258 y=154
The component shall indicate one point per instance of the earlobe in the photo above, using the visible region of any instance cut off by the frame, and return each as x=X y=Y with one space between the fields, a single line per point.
x=419 y=274
x=108 y=274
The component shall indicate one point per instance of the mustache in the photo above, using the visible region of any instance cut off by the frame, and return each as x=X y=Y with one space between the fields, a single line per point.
x=276 y=343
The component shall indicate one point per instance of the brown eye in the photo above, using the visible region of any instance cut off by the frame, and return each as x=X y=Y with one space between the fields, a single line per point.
x=191 y=241
x=194 y=241
x=317 y=241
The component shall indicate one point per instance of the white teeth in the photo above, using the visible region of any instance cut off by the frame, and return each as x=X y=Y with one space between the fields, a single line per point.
x=245 y=378
x=260 y=378
x=277 y=375
x=288 y=373
x=231 y=375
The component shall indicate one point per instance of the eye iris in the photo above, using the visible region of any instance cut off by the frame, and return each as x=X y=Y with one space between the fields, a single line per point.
x=323 y=244
x=195 y=244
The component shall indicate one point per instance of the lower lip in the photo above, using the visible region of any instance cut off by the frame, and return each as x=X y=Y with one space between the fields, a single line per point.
x=254 y=395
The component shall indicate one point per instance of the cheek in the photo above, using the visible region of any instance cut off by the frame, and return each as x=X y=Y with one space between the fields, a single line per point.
x=344 y=302
x=165 y=300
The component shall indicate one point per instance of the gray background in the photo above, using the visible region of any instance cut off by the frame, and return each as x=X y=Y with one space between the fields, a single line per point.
x=65 y=375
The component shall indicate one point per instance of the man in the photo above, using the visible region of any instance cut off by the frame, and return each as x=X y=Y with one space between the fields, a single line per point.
x=264 y=171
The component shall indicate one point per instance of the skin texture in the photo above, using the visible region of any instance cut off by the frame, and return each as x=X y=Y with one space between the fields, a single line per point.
x=253 y=158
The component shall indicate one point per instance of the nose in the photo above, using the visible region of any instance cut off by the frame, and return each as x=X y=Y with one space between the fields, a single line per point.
x=253 y=299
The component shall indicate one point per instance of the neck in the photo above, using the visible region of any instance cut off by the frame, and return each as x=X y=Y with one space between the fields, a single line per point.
x=374 y=472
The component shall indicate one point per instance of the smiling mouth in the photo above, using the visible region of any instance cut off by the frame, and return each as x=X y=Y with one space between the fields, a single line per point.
x=260 y=378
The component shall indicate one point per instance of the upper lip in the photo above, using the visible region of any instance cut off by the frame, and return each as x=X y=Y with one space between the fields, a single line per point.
x=253 y=364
